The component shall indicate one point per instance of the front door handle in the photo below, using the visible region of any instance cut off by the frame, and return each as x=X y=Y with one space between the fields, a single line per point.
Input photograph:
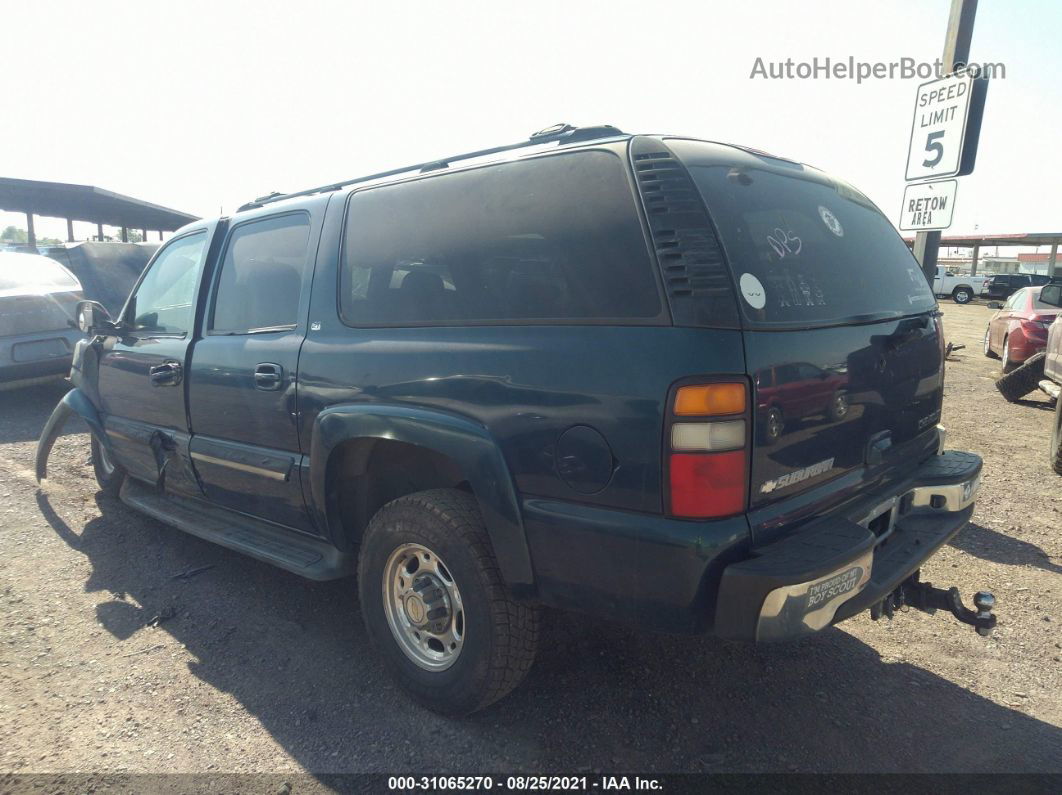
x=166 y=374
x=268 y=376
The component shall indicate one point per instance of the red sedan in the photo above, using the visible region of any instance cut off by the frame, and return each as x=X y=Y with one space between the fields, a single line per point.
x=1018 y=329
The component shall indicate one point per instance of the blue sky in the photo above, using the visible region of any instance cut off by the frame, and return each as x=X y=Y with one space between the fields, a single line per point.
x=201 y=106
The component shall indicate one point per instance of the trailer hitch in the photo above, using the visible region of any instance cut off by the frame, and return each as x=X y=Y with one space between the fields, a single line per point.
x=923 y=596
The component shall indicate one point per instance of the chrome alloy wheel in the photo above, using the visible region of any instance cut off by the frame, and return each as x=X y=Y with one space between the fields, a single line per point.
x=423 y=607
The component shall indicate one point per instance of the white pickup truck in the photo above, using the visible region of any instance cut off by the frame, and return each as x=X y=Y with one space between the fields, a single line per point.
x=961 y=288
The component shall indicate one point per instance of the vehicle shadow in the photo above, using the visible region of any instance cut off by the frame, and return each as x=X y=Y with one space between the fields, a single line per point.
x=988 y=544
x=25 y=410
x=1042 y=405
x=600 y=698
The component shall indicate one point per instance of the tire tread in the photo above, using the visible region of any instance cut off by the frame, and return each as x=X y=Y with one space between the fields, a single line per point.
x=1022 y=380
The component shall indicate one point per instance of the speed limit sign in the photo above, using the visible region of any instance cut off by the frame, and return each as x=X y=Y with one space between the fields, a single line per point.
x=946 y=126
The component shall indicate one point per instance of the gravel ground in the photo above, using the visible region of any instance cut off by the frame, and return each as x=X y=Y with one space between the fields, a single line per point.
x=112 y=661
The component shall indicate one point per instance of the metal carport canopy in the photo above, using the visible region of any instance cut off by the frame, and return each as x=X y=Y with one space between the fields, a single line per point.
x=1020 y=239
x=87 y=203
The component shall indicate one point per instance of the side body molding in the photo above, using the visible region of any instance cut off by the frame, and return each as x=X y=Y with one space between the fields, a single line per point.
x=465 y=442
x=74 y=402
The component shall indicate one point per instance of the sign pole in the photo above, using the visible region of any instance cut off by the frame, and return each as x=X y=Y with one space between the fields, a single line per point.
x=956 y=50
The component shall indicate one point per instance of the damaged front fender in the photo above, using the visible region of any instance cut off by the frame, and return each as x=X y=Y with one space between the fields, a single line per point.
x=74 y=402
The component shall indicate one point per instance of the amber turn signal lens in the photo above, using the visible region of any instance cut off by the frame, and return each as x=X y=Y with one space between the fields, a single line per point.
x=707 y=400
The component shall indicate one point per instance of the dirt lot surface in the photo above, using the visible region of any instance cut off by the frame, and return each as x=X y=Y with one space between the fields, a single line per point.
x=111 y=660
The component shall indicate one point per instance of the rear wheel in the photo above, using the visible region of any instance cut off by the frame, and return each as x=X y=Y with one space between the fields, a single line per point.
x=109 y=475
x=1056 y=439
x=435 y=604
x=962 y=295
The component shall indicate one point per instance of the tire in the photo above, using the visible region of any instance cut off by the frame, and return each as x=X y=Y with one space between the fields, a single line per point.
x=838 y=408
x=988 y=349
x=109 y=475
x=773 y=426
x=1008 y=364
x=1022 y=380
x=490 y=639
x=1056 y=439
x=962 y=295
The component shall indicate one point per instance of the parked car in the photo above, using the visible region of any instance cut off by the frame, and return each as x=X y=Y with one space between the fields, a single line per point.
x=1052 y=381
x=1004 y=285
x=961 y=287
x=1043 y=370
x=492 y=386
x=1018 y=329
x=37 y=301
x=796 y=390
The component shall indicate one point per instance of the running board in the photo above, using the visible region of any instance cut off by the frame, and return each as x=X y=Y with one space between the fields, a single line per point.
x=1051 y=388
x=308 y=557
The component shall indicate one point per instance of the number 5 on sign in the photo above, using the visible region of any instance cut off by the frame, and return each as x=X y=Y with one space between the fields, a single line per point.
x=946 y=127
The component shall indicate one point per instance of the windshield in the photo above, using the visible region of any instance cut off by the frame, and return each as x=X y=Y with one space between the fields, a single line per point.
x=34 y=274
x=802 y=251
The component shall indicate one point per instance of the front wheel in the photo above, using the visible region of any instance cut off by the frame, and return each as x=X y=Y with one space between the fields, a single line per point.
x=1008 y=362
x=838 y=408
x=109 y=475
x=962 y=295
x=988 y=345
x=773 y=426
x=435 y=605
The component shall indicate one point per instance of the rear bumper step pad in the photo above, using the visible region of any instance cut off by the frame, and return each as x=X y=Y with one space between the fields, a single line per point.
x=837 y=567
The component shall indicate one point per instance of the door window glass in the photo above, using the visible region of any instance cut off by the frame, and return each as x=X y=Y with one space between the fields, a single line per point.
x=261 y=275
x=164 y=302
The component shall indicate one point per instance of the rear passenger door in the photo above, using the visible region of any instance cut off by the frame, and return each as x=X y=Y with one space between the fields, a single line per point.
x=242 y=384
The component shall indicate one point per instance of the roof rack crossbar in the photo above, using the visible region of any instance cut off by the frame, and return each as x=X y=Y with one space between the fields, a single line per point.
x=561 y=133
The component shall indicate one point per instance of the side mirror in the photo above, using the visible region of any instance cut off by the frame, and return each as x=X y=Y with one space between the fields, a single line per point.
x=995 y=305
x=93 y=318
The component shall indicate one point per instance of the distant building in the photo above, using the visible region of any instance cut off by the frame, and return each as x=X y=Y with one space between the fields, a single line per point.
x=1034 y=263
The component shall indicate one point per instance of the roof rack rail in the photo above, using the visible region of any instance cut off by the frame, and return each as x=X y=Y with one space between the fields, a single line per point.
x=561 y=133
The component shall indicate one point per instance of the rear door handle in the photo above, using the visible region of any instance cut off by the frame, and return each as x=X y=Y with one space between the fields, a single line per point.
x=267 y=376
x=166 y=374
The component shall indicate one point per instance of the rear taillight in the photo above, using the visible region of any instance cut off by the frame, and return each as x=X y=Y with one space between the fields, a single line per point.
x=1035 y=326
x=707 y=450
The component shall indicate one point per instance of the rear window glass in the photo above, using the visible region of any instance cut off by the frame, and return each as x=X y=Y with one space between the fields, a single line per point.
x=1050 y=297
x=555 y=238
x=802 y=251
x=33 y=273
x=261 y=275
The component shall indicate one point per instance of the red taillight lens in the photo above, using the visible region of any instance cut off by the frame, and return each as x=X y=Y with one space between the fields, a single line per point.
x=1037 y=326
x=707 y=485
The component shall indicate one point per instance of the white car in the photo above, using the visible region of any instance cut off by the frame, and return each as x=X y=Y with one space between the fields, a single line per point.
x=962 y=288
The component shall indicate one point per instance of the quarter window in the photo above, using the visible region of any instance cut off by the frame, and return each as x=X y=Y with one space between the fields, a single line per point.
x=164 y=302
x=554 y=238
x=261 y=275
